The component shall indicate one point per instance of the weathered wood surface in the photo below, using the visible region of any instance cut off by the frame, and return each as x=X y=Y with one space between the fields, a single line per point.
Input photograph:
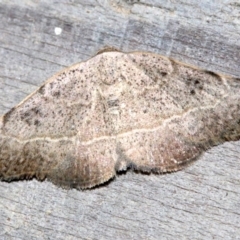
x=200 y=202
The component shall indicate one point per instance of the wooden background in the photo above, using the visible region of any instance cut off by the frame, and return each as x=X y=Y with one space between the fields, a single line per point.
x=200 y=202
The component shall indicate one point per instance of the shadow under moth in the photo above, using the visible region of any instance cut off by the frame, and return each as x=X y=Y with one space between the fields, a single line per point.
x=114 y=112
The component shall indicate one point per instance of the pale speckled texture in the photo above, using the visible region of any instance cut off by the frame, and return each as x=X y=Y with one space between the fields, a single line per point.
x=199 y=202
x=118 y=111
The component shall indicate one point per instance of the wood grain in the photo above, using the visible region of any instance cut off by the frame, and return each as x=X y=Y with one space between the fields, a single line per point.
x=201 y=202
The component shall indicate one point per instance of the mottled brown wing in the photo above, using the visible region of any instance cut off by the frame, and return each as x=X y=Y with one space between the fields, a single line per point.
x=116 y=111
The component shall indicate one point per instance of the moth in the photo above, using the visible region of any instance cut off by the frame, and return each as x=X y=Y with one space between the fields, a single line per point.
x=114 y=112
